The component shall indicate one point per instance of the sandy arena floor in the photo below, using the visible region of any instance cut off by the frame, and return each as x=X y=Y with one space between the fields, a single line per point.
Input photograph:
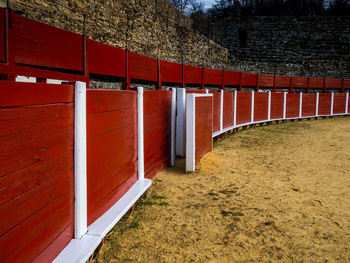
x=278 y=193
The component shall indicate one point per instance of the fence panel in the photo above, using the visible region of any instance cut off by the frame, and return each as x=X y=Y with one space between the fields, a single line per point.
x=228 y=109
x=216 y=110
x=232 y=78
x=36 y=170
x=333 y=83
x=265 y=80
x=142 y=67
x=261 y=100
x=157 y=130
x=212 y=76
x=244 y=101
x=324 y=104
x=316 y=83
x=2 y=35
x=339 y=103
x=248 y=79
x=276 y=105
x=299 y=82
x=111 y=148
x=38 y=44
x=282 y=81
x=170 y=72
x=308 y=105
x=192 y=74
x=292 y=106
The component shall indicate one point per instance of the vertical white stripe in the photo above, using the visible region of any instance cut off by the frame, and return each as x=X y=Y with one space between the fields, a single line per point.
x=300 y=104
x=284 y=105
x=347 y=103
x=235 y=109
x=252 y=108
x=269 y=107
x=190 y=132
x=332 y=103
x=173 y=123
x=317 y=102
x=206 y=91
x=221 y=109
x=181 y=122
x=80 y=218
x=140 y=151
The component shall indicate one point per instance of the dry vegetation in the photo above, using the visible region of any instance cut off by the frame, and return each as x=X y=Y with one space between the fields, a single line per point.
x=277 y=193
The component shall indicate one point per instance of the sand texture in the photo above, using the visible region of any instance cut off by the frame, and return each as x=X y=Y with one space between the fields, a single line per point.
x=278 y=193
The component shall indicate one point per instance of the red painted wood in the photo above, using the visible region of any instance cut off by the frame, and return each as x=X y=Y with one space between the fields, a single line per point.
x=244 y=100
x=324 y=104
x=142 y=67
x=34 y=94
x=339 y=103
x=192 y=74
x=195 y=91
x=316 y=83
x=266 y=80
x=260 y=105
x=157 y=130
x=231 y=78
x=276 y=105
x=105 y=60
x=299 y=82
x=248 y=79
x=204 y=126
x=282 y=81
x=216 y=110
x=2 y=35
x=228 y=109
x=347 y=84
x=111 y=148
x=333 y=83
x=212 y=76
x=38 y=44
x=170 y=72
x=292 y=106
x=308 y=105
x=36 y=175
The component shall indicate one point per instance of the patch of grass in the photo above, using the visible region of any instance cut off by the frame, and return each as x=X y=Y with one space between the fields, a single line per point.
x=163 y=203
x=149 y=203
x=159 y=197
x=134 y=225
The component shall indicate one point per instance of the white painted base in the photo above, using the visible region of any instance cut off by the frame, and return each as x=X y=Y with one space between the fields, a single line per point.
x=79 y=250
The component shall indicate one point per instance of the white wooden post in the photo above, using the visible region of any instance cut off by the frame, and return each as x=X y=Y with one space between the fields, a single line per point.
x=284 y=105
x=317 y=102
x=140 y=146
x=235 y=109
x=206 y=91
x=173 y=123
x=252 y=108
x=300 y=104
x=347 y=103
x=269 y=107
x=181 y=122
x=221 y=109
x=80 y=204
x=190 y=132
x=332 y=103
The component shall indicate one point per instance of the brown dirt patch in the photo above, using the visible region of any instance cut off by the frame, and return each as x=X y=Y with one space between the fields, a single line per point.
x=277 y=193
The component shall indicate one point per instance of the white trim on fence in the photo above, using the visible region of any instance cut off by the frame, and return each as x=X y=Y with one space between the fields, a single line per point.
x=140 y=146
x=269 y=106
x=300 y=104
x=80 y=204
x=180 y=122
x=284 y=105
x=173 y=124
x=235 y=109
x=317 y=102
x=221 y=109
x=332 y=103
x=252 y=108
x=25 y=79
x=206 y=91
x=347 y=103
x=191 y=130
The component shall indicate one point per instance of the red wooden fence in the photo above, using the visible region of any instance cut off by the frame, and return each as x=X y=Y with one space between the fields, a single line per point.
x=216 y=110
x=339 y=103
x=260 y=106
x=244 y=101
x=292 y=105
x=308 y=105
x=277 y=105
x=228 y=109
x=324 y=105
x=2 y=35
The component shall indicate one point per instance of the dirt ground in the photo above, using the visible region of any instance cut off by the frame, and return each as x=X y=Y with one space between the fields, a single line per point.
x=278 y=193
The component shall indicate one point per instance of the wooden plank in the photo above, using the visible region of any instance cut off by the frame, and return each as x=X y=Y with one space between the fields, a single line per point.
x=24 y=94
x=216 y=110
x=192 y=74
x=212 y=76
x=292 y=106
x=21 y=125
x=339 y=103
x=142 y=67
x=105 y=60
x=244 y=101
x=309 y=105
x=202 y=91
x=248 y=79
x=204 y=127
x=266 y=80
x=231 y=78
x=282 y=81
x=38 y=44
x=316 y=83
x=260 y=106
x=170 y=72
x=228 y=109
x=333 y=83
x=299 y=82
x=324 y=105
x=276 y=105
x=2 y=35
x=347 y=84
x=109 y=100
